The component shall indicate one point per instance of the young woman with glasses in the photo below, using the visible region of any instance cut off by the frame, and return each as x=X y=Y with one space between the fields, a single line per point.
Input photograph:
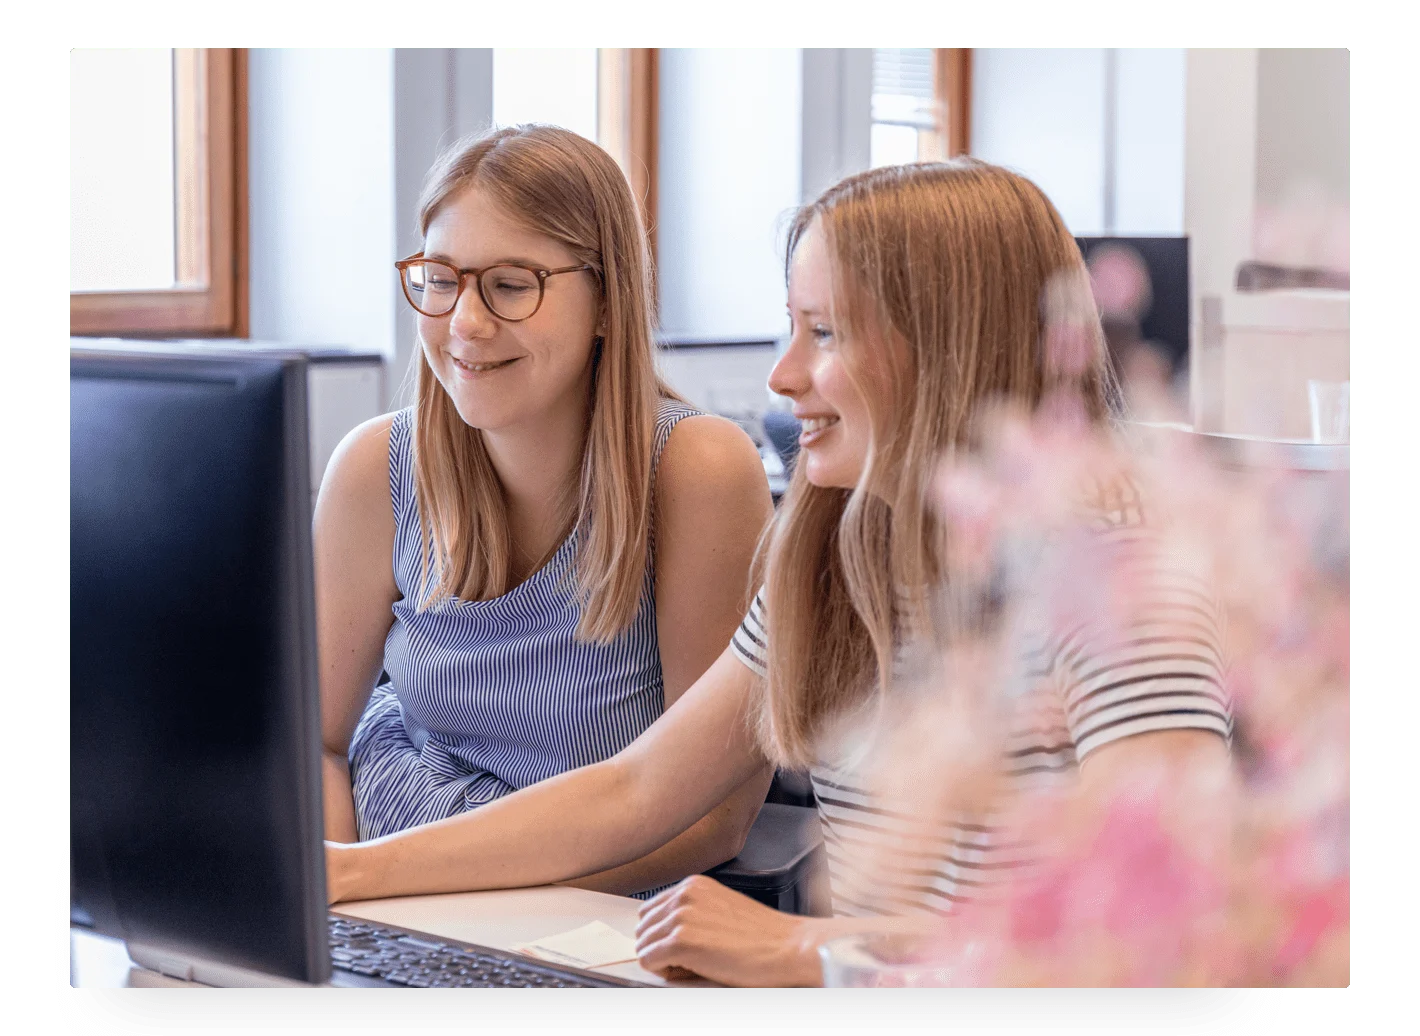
x=916 y=297
x=547 y=549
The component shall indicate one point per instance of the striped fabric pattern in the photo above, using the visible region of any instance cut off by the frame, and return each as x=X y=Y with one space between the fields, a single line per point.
x=486 y=697
x=1162 y=671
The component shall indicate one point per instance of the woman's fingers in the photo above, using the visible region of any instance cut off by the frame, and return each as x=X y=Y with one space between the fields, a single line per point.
x=667 y=929
x=656 y=907
x=647 y=933
x=713 y=931
x=659 y=954
x=661 y=935
x=678 y=896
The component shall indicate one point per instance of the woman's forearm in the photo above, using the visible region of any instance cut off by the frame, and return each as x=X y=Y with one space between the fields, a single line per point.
x=710 y=841
x=579 y=822
x=337 y=798
x=590 y=815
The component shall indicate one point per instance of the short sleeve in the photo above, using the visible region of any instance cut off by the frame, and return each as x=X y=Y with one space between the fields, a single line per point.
x=1161 y=669
x=749 y=643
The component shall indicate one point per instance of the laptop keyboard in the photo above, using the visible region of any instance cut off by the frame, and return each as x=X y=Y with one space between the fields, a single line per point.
x=408 y=959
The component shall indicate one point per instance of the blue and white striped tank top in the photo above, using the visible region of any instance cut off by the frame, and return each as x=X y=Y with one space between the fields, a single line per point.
x=486 y=697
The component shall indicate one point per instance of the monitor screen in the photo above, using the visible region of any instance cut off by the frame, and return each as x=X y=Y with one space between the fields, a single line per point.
x=1163 y=322
x=194 y=730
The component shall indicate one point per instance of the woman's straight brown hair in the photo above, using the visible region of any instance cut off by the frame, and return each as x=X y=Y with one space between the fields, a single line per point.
x=559 y=184
x=940 y=277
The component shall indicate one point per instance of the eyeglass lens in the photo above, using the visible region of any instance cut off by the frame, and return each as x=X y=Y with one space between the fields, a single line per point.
x=511 y=292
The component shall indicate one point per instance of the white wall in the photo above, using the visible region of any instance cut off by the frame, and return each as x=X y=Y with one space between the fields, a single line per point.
x=1042 y=113
x=730 y=173
x=1220 y=162
x=322 y=147
x=1149 y=141
x=837 y=116
x=1100 y=131
x=1257 y=122
x=340 y=141
x=440 y=96
x=1303 y=202
x=1303 y=121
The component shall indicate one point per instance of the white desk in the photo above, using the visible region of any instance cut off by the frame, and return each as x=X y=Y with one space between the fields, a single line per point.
x=502 y=920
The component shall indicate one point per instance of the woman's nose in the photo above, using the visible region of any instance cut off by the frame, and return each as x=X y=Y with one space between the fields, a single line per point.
x=471 y=318
x=790 y=376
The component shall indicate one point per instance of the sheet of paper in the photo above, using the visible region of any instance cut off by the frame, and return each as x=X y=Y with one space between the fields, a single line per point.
x=590 y=946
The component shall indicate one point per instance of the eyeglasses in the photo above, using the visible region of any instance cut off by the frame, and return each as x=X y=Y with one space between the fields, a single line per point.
x=511 y=291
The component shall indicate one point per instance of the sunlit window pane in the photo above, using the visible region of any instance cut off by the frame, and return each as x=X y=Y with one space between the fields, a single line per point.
x=557 y=86
x=902 y=104
x=892 y=145
x=121 y=202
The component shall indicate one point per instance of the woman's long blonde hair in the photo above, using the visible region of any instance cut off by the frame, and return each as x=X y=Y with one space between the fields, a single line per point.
x=559 y=184
x=948 y=265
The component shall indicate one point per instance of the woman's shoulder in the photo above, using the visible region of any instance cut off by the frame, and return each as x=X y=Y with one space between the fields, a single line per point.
x=707 y=470
x=706 y=447
x=371 y=439
x=359 y=469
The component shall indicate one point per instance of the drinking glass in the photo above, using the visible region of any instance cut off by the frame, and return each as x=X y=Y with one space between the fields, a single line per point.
x=1331 y=410
x=883 y=961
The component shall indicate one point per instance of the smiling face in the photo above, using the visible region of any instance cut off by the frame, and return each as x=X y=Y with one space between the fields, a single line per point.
x=501 y=374
x=814 y=373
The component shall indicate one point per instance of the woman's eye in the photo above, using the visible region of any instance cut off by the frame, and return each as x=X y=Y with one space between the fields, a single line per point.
x=821 y=334
x=513 y=288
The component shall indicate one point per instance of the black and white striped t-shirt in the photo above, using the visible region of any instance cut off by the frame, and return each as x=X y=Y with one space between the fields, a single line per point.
x=1163 y=673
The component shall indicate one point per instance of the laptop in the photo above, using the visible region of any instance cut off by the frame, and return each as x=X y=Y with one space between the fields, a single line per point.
x=195 y=803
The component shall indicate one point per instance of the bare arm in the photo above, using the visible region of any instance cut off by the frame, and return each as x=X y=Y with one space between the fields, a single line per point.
x=354 y=580
x=1184 y=754
x=712 y=503
x=578 y=822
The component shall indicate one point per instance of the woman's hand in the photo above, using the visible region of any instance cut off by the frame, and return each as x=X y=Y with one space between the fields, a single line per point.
x=704 y=927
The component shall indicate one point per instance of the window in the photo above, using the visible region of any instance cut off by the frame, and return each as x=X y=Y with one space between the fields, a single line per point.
x=921 y=105
x=607 y=95
x=157 y=196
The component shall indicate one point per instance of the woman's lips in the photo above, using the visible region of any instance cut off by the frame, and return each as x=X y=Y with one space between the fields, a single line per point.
x=814 y=428
x=481 y=369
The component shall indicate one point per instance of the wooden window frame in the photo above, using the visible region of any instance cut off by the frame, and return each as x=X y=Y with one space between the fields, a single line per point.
x=210 y=297
x=951 y=88
x=628 y=123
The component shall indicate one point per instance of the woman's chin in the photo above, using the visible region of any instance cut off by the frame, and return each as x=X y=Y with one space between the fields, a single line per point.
x=824 y=474
x=478 y=408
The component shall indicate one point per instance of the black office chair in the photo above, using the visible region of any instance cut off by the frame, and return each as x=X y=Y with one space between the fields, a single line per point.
x=782 y=429
x=783 y=863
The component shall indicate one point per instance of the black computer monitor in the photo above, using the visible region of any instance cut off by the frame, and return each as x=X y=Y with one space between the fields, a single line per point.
x=1165 y=323
x=194 y=713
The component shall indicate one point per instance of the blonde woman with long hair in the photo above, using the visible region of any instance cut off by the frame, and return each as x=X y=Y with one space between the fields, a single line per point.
x=549 y=547
x=916 y=298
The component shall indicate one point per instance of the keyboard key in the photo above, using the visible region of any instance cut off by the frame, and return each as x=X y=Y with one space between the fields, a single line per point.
x=407 y=959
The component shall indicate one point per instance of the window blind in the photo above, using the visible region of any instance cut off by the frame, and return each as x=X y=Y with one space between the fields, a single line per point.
x=902 y=86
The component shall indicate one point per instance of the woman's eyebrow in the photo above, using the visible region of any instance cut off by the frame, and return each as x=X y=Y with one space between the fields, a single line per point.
x=510 y=260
